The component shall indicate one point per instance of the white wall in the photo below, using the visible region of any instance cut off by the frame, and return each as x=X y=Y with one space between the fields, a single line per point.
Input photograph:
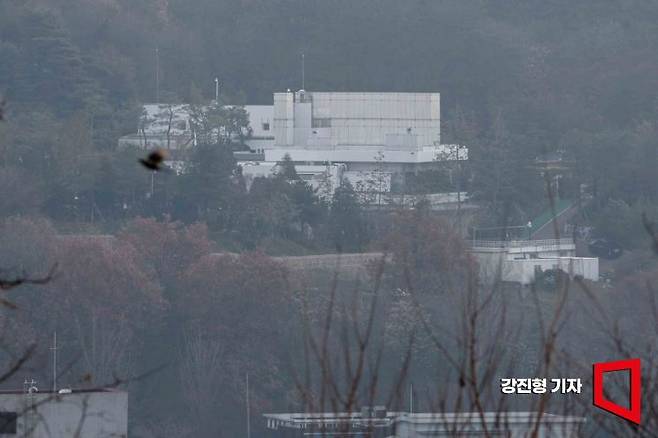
x=358 y=119
x=499 y=265
x=283 y=119
x=366 y=154
x=523 y=271
x=258 y=116
x=366 y=118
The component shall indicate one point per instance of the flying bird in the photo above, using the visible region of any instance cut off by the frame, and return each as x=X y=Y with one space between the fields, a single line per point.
x=155 y=160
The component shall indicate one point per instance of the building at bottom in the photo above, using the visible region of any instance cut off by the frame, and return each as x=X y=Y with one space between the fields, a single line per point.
x=66 y=413
x=416 y=425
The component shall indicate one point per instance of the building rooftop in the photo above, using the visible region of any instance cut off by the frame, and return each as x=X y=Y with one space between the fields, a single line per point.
x=59 y=391
x=489 y=417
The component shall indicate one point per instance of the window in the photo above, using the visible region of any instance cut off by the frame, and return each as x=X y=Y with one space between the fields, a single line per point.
x=8 y=422
x=266 y=126
x=321 y=123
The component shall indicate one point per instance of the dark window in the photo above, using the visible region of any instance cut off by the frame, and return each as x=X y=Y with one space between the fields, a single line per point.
x=8 y=422
x=321 y=123
x=266 y=126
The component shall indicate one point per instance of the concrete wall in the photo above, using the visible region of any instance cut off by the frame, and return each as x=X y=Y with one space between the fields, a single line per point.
x=355 y=264
x=509 y=425
x=260 y=115
x=523 y=271
x=284 y=119
x=364 y=154
x=501 y=265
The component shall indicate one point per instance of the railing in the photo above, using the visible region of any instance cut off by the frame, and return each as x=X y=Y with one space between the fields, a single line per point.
x=507 y=244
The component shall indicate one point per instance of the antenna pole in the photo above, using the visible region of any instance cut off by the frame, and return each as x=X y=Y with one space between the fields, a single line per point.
x=54 y=349
x=217 y=90
x=248 y=413
x=411 y=398
x=303 y=72
x=157 y=75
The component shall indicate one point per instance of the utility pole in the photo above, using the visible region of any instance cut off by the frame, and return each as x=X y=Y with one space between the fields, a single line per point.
x=54 y=350
x=217 y=90
x=459 y=191
x=411 y=398
x=303 y=72
x=248 y=410
x=157 y=74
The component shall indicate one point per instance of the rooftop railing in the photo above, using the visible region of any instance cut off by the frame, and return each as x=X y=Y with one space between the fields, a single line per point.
x=509 y=244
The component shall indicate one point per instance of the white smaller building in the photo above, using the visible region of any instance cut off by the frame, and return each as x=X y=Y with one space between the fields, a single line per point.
x=67 y=413
x=519 y=261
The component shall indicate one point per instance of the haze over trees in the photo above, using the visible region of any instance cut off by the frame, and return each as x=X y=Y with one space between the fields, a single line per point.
x=175 y=269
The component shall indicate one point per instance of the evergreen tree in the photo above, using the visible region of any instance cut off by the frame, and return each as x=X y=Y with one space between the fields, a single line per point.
x=208 y=189
x=346 y=224
x=287 y=168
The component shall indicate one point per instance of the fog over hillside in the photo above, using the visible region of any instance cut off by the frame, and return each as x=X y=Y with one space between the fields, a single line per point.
x=228 y=218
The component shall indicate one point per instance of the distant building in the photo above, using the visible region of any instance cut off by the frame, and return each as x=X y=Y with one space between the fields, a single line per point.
x=372 y=140
x=406 y=425
x=379 y=137
x=521 y=260
x=68 y=413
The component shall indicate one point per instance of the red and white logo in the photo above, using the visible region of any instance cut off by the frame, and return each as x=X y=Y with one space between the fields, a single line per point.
x=632 y=413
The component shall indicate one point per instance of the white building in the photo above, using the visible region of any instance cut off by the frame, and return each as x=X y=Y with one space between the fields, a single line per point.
x=379 y=137
x=84 y=413
x=520 y=260
x=372 y=140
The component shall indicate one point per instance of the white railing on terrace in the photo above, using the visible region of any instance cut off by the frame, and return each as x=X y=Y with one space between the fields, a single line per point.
x=545 y=243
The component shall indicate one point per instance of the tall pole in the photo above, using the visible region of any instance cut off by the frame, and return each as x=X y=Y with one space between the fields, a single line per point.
x=411 y=398
x=157 y=75
x=303 y=72
x=248 y=410
x=459 y=192
x=217 y=90
x=54 y=349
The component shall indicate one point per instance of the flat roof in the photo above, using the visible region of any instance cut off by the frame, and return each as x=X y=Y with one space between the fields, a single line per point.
x=508 y=417
x=50 y=391
x=427 y=417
